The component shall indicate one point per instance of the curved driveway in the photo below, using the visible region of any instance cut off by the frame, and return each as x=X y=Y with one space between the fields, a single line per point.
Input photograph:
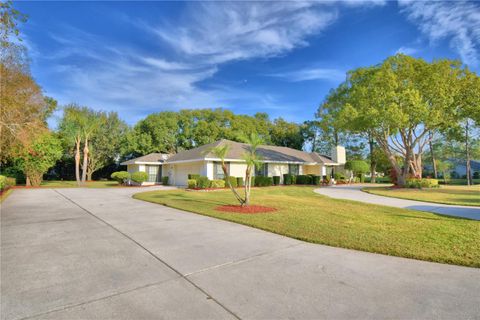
x=99 y=254
x=354 y=192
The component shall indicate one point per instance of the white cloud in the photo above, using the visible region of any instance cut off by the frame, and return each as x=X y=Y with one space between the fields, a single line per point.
x=456 y=21
x=308 y=74
x=407 y=50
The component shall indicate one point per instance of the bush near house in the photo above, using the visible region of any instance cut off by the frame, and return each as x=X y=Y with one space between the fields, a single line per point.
x=233 y=181
x=316 y=180
x=139 y=177
x=203 y=182
x=263 y=181
x=193 y=176
x=304 y=179
x=165 y=181
x=276 y=180
x=191 y=183
x=240 y=182
x=339 y=176
x=217 y=184
x=3 y=182
x=287 y=179
x=422 y=183
x=120 y=176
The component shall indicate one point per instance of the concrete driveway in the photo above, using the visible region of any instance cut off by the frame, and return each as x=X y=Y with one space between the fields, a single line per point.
x=355 y=193
x=99 y=254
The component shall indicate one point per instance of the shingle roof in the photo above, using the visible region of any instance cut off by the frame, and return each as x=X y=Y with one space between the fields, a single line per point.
x=151 y=157
x=237 y=149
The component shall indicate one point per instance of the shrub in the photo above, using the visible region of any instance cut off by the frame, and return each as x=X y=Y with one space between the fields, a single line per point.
x=252 y=181
x=191 y=183
x=276 y=180
x=203 y=182
x=476 y=175
x=338 y=176
x=304 y=179
x=263 y=181
x=233 y=181
x=422 y=183
x=120 y=176
x=327 y=179
x=139 y=177
x=218 y=183
x=287 y=179
x=240 y=182
x=361 y=177
x=193 y=176
x=3 y=182
x=165 y=181
x=357 y=166
x=316 y=180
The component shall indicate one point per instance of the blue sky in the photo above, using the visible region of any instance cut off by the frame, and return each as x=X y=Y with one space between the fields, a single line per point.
x=281 y=58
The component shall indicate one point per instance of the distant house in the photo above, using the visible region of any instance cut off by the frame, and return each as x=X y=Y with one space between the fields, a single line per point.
x=276 y=161
x=460 y=168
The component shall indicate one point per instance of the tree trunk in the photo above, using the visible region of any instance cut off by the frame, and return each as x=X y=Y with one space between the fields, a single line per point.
x=85 y=161
x=89 y=176
x=467 y=155
x=373 y=163
x=27 y=181
x=225 y=172
x=432 y=154
x=248 y=181
x=77 y=160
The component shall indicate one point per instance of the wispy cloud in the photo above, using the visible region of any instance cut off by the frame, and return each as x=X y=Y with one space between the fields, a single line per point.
x=309 y=74
x=456 y=21
x=407 y=50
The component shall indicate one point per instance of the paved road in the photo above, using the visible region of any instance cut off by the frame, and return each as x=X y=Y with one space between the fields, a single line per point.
x=98 y=253
x=353 y=192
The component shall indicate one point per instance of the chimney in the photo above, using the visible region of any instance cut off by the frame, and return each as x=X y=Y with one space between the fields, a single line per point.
x=339 y=155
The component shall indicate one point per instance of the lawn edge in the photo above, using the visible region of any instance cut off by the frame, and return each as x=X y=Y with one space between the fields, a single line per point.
x=413 y=199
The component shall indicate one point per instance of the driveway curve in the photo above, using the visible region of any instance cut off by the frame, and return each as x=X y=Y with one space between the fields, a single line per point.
x=100 y=254
x=355 y=193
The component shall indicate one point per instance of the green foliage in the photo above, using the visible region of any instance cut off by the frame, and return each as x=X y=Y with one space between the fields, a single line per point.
x=203 y=182
x=120 y=176
x=357 y=166
x=191 y=183
x=139 y=177
x=422 y=183
x=217 y=184
x=316 y=180
x=304 y=179
x=276 y=180
x=233 y=181
x=263 y=181
x=287 y=179
x=286 y=134
x=240 y=182
x=476 y=175
x=193 y=176
x=339 y=176
x=165 y=181
x=39 y=156
x=3 y=182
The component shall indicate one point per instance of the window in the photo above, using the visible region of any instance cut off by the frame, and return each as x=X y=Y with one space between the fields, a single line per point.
x=218 y=170
x=262 y=171
x=293 y=169
x=153 y=173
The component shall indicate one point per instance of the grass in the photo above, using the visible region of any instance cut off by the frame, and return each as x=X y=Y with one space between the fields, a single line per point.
x=4 y=195
x=305 y=215
x=73 y=184
x=457 y=195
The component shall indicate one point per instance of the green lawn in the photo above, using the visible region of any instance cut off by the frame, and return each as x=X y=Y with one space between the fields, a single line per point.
x=308 y=216
x=459 y=195
x=73 y=184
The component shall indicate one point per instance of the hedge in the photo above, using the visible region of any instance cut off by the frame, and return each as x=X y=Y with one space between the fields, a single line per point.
x=338 y=176
x=316 y=180
x=203 y=182
x=193 y=176
x=287 y=179
x=422 y=183
x=240 y=182
x=139 y=177
x=191 y=183
x=120 y=176
x=3 y=182
x=276 y=180
x=233 y=181
x=217 y=183
x=304 y=179
x=263 y=181
x=165 y=181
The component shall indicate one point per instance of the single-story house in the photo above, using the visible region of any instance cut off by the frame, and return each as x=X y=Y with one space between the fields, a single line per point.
x=276 y=161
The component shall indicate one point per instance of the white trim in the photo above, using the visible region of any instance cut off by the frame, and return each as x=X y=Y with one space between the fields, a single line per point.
x=183 y=161
x=126 y=163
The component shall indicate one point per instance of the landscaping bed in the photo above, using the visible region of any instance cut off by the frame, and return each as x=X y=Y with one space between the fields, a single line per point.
x=305 y=215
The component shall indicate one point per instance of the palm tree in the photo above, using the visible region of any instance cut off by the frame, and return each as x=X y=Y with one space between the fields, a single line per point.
x=253 y=160
x=221 y=152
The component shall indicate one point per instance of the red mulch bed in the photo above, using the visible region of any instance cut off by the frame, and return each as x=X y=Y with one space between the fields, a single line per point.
x=251 y=209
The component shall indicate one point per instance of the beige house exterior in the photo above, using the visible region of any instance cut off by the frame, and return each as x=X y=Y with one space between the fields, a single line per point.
x=277 y=161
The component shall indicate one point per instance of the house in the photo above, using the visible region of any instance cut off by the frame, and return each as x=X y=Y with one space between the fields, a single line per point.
x=276 y=161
